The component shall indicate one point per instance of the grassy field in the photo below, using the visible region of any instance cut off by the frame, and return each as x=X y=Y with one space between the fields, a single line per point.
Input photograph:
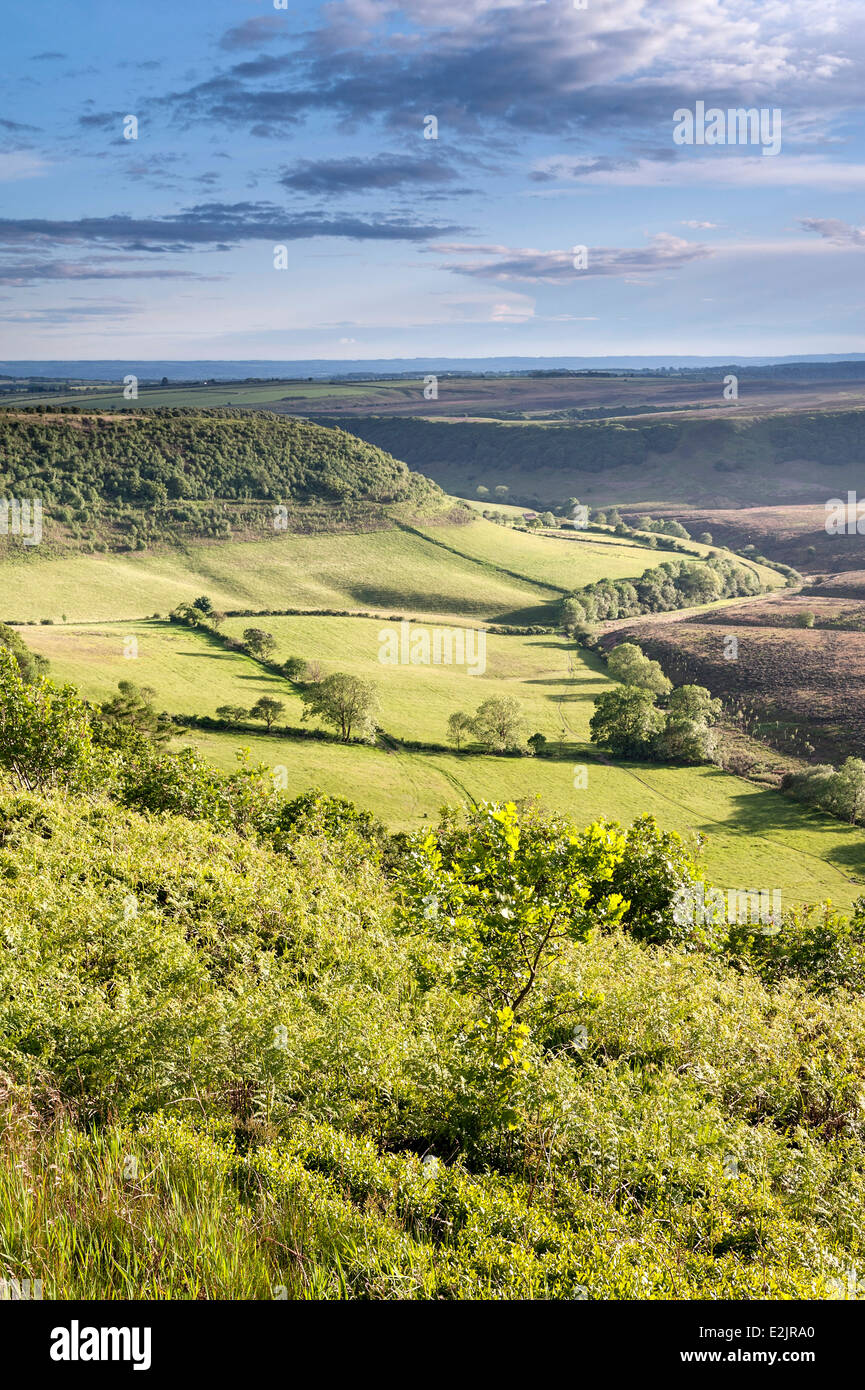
x=450 y=575
x=756 y=837
x=562 y=563
x=191 y=674
x=392 y=571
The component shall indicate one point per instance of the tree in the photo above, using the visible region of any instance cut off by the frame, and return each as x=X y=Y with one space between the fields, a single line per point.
x=685 y=741
x=573 y=614
x=460 y=728
x=259 y=643
x=502 y=490
x=133 y=705
x=805 y=620
x=267 y=709
x=850 y=789
x=547 y=519
x=46 y=733
x=204 y=604
x=233 y=714
x=537 y=743
x=700 y=584
x=294 y=668
x=693 y=702
x=30 y=664
x=347 y=702
x=625 y=721
x=498 y=722
x=705 y=538
x=630 y=665
x=512 y=892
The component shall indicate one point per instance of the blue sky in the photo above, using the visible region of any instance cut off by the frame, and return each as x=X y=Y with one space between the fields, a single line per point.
x=304 y=127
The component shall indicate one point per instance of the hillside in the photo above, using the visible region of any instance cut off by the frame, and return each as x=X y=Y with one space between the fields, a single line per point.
x=123 y=481
x=750 y=833
x=301 y=1058
x=719 y=458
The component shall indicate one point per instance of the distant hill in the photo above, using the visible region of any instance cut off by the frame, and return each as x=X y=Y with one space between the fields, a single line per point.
x=125 y=479
x=701 y=460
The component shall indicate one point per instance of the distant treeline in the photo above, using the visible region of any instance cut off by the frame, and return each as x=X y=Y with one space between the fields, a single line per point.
x=490 y=450
x=671 y=585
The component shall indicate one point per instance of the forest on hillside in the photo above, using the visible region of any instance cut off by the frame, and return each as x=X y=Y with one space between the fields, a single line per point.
x=154 y=473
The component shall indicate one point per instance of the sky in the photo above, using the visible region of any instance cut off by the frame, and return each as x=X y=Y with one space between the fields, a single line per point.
x=282 y=197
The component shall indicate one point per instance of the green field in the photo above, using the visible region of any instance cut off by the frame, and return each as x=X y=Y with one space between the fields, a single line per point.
x=475 y=573
x=452 y=575
x=755 y=837
x=109 y=396
x=188 y=672
x=191 y=674
x=389 y=571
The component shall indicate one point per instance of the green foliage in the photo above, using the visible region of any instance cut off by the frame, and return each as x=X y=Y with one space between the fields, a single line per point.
x=46 y=738
x=259 y=643
x=647 y=867
x=268 y=710
x=460 y=728
x=155 y=473
x=841 y=792
x=133 y=706
x=629 y=664
x=294 y=668
x=498 y=722
x=628 y=722
x=625 y=721
x=347 y=702
x=817 y=944
x=671 y=585
x=29 y=663
x=494 y=1073
x=232 y=714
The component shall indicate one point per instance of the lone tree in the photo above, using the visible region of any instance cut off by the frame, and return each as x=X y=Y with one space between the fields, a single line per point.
x=460 y=728
x=294 y=668
x=267 y=709
x=259 y=643
x=498 y=722
x=346 y=702
x=133 y=705
x=537 y=743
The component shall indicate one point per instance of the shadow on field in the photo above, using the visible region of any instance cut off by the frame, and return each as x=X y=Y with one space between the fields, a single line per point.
x=771 y=810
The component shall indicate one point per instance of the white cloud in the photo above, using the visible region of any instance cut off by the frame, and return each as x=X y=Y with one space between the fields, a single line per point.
x=663 y=252
x=21 y=165
x=714 y=168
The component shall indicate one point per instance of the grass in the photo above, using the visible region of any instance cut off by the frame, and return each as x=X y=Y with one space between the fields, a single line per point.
x=392 y=571
x=756 y=837
x=563 y=564
x=189 y=673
